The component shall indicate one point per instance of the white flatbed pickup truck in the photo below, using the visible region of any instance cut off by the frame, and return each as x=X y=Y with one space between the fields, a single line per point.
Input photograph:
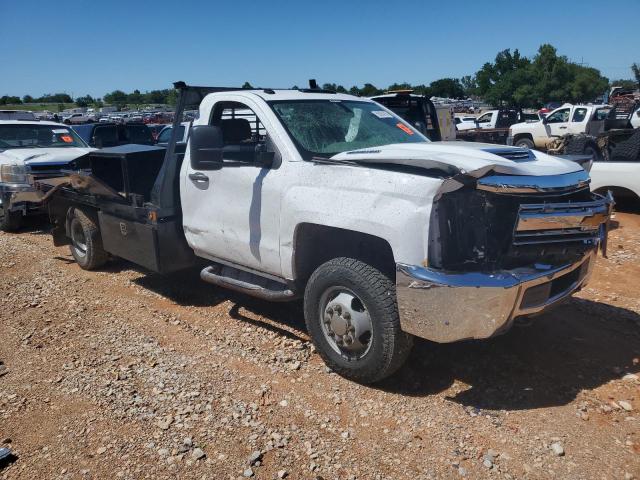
x=336 y=200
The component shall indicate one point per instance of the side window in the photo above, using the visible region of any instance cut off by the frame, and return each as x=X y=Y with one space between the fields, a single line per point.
x=105 y=136
x=486 y=118
x=242 y=130
x=164 y=136
x=559 y=116
x=579 y=115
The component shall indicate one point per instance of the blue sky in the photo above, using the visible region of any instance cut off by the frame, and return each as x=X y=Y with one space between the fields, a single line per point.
x=96 y=46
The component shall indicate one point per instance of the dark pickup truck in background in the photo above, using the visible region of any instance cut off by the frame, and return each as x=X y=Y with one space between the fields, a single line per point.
x=102 y=135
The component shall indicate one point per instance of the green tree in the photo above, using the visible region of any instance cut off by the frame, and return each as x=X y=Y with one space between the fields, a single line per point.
x=55 y=98
x=135 y=97
x=27 y=99
x=85 y=101
x=117 y=97
x=504 y=81
x=369 y=90
x=515 y=81
x=247 y=85
x=400 y=86
x=446 y=87
x=469 y=85
x=10 y=100
x=635 y=68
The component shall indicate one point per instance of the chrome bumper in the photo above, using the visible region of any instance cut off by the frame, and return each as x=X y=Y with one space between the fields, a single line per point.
x=447 y=307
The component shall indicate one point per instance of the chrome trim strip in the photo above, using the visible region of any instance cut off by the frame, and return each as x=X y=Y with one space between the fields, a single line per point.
x=533 y=183
x=447 y=307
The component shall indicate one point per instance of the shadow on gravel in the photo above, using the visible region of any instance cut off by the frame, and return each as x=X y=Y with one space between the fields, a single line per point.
x=580 y=345
x=185 y=288
x=36 y=225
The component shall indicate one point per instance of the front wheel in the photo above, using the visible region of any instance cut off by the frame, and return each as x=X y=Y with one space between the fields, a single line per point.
x=352 y=317
x=524 y=143
x=10 y=221
x=86 y=241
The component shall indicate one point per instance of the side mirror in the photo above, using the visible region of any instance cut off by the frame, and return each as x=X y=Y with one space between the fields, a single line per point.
x=263 y=157
x=205 y=147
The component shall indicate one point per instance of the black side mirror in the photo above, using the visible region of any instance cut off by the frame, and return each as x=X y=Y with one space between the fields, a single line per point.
x=205 y=147
x=263 y=157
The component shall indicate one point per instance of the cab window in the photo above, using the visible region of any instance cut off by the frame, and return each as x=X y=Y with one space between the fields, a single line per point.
x=486 y=118
x=559 y=116
x=241 y=128
x=579 y=115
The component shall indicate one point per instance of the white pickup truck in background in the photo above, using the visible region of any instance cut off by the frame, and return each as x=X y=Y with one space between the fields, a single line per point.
x=30 y=150
x=568 y=119
x=336 y=200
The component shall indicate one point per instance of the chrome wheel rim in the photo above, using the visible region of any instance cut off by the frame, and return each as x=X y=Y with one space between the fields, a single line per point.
x=346 y=323
x=78 y=239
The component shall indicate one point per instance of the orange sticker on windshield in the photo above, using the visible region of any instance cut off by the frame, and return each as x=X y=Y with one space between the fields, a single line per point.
x=66 y=138
x=404 y=128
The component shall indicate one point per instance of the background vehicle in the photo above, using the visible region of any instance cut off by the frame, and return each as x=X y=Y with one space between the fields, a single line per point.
x=465 y=123
x=335 y=199
x=164 y=137
x=30 y=150
x=436 y=123
x=17 y=115
x=155 y=129
x=76 y=118
x=568 y=118
x=493 y=126
x=102 y=135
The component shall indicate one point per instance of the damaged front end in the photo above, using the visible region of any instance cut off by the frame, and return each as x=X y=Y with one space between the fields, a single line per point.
x=501 y=246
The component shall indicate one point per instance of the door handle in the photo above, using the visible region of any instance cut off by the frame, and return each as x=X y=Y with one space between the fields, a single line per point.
x=562 y=128
x=198 y=177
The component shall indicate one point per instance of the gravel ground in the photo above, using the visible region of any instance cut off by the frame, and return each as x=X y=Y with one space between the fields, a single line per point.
x=122 y=374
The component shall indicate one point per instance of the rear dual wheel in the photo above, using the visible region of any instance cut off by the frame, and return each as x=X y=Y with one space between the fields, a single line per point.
x=86 y=241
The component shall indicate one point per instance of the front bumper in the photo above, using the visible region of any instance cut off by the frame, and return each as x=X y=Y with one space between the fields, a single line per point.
x=447 y=307
x=8 y=194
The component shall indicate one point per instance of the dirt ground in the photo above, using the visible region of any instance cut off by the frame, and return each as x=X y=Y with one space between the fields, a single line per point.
x=126 y=375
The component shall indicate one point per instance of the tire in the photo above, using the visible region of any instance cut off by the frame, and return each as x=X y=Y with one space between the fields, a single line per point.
x=387 y=346
x=582 y=145
x=86 y=241
x=628 y=150
x=524 y=142
x=10 y=221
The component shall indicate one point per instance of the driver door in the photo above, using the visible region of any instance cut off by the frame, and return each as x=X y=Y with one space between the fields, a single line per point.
x=557 y=123
x=233 y=214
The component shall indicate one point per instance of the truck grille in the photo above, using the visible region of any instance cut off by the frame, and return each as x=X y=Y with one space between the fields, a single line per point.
x=559 y=222
x=478 y=230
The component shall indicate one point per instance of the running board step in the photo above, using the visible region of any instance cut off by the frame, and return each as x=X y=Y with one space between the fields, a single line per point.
x=241 y=281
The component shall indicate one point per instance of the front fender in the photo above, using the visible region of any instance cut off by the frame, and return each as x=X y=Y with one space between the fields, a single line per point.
x=399 y=217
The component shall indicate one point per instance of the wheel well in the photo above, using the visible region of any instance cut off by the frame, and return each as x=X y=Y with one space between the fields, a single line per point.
x=626 y=200
x=518 y=136
x=316 y=244
x=618 y=192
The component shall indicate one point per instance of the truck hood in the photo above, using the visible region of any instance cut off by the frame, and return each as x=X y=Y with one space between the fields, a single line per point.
x=37 y=156
x=475 y=159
